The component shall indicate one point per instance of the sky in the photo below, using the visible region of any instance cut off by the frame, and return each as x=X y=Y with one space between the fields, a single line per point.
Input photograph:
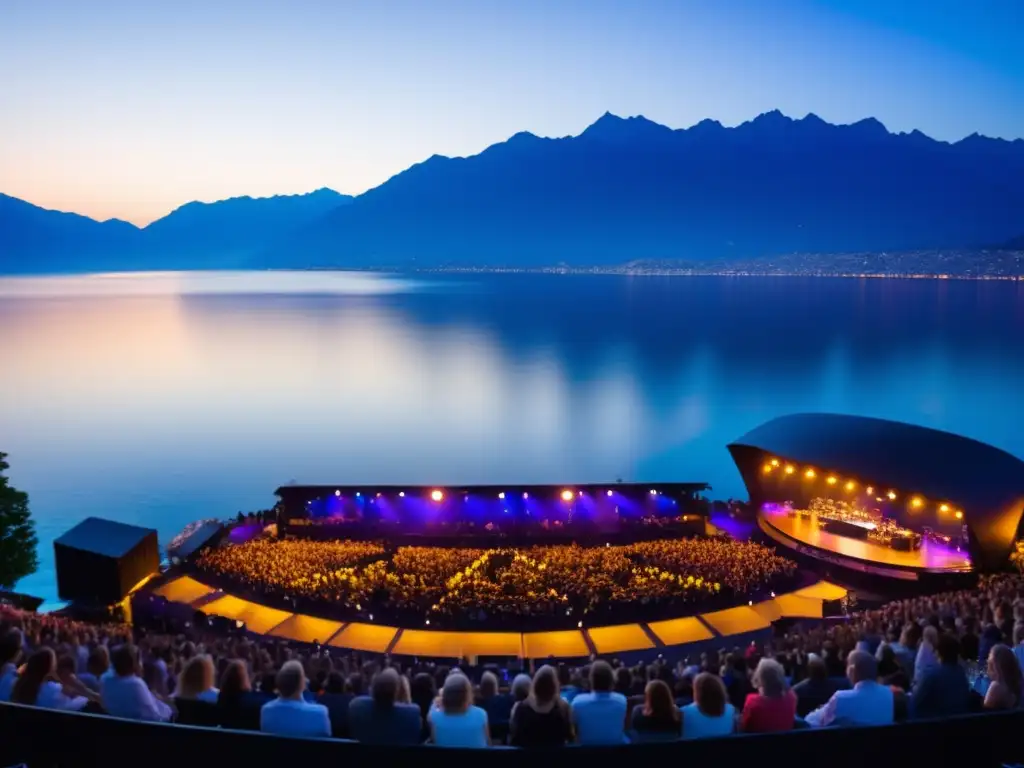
x=128 y=109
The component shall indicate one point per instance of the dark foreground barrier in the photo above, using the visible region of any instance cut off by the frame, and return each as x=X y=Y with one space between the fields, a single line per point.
x=41 y=738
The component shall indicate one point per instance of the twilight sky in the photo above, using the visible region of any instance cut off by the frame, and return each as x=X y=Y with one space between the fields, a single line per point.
x=128 y=109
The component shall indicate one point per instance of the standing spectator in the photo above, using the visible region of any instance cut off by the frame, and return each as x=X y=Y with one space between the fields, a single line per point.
x=599 y=716
x=773 y=707
x=124 y=694
x=455 y=722
x=380 y=718
x=290 y=714
x=710 y=714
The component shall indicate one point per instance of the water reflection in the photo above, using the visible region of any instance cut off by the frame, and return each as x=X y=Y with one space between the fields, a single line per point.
x=196 y=395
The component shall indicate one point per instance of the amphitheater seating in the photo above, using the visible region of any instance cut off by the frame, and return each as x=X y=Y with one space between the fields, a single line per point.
x=42 y=737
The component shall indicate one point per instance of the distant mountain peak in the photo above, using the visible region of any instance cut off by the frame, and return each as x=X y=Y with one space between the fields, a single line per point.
x=611 y=127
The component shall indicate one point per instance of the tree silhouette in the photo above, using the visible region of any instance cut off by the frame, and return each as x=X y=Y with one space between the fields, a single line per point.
x=17 y=533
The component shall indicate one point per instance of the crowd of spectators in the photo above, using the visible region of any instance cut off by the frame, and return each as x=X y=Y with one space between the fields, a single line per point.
x=934 y=656
x=558 y=585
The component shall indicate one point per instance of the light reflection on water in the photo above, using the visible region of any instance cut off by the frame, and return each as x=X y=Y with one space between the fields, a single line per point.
x=159 y=399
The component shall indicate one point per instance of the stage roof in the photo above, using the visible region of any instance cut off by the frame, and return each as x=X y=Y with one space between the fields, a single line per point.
x=314 y=491
x=986 y=482
x=104 y=537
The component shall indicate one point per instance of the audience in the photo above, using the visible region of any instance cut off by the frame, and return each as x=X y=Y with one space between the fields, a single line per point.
x=867 y=703
x=1004 y=675
x=599 y=716
x=817 y=688
x=942 y=690
x=542 y=719
x=124 y=694
x=658 y=715
x=239 y=705
x=290 y=714
x=454 y=720
x=773 y=706
x=710 y=714
x=10 y=654
x=37 y=684
x=196 y=681
x=381 y=718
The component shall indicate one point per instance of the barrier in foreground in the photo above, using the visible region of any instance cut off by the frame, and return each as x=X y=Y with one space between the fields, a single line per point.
x=41 y=738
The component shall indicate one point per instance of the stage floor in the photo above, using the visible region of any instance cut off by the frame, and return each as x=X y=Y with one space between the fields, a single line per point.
x=930 y=557
x=573 y=643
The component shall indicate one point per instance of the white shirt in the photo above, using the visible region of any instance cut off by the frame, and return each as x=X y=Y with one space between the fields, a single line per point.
x=8 y=676
x=129 y=697
x=51 y=695
x=867 y=703
x=289 y=717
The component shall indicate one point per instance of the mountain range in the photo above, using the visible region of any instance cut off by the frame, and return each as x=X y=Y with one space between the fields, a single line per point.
x=624 y=189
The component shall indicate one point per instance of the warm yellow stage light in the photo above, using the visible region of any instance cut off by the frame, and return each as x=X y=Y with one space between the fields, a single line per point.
x=437 y=495
x=790 y=469
x=809 y=474
x=832 y=481
x=774 y=462
x=959 y=515
x=870 y=490
x=916 y=503
x=767 y=468
x=891 y=495
x=567 y=495
x=851 y=485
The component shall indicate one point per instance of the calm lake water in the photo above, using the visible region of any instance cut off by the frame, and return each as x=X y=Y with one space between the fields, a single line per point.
x=159 y=399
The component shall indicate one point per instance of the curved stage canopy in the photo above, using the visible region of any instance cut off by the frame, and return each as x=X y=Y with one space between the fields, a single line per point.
x=923 y=477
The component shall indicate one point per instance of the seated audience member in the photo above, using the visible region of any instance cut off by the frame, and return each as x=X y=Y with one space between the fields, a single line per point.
x=124 y=694
x=290 y=714
x=1018 y=643
x=520 y=688
x=10 y=653
x=867 y=703
x=816 y=689
x=454 y=721
x=926 y=657
x=1004 y=676
x=497 y=705
x=423 y=691
x=658 y=715
x=566 y=688
x=337 y=701
x=196 y=681
x=773 y=707
x=710 y=714
x=70 y=682
x=943 y=689
x=237 y=704
x=96 y=666
x=736 y=679
x=39 y=686
x=380 y=718
x=543 y=718
x=599 y=716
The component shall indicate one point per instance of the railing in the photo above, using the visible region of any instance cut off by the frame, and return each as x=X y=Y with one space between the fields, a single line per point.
x=42 y=738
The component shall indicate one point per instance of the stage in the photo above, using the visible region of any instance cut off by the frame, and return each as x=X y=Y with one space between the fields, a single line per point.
x=803 y=534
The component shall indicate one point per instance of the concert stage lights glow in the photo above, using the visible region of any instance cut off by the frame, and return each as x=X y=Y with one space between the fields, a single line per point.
x=851 y=485
x=959 y=515
x=832 y=481
x=401 y=494
x=609 y=493
x=436 y=495
x=790 y=469
x=567 y=495
x=337 y=493
x=526 y=495
x=916 y=503
x=809 y=474
x=891 y=495
x=653 y=492
x=501 y=495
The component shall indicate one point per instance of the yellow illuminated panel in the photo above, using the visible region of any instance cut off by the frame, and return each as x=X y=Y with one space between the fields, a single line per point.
x=823 y=590
x=736 y=621
x=306 y=629
x=184 y=589
x=679 y=631
x=769 y=610
x=569 y=642
x=797 y=607
x=421 y=642
x=258 y=618
x=623 y=637
x=365 y=637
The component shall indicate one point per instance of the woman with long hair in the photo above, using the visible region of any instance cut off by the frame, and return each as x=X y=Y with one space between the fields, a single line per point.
x=454 y=721
x=542 y=719
x=710 y=714
x=196 y=681
x=39 y=686
x=1004 y=688
x=659 y=713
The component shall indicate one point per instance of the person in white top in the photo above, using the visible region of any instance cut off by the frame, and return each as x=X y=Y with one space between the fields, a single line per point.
x=38 y=685
x=124 y=694
x=289 y=714
x=867 y=703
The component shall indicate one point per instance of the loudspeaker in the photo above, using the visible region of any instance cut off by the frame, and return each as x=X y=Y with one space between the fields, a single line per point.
x=100 y=561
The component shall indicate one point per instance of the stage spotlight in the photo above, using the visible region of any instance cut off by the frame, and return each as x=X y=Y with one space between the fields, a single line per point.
x=567 y=495
x=337 y=493
x=767 y=468
x=526 y=495
x=831 y=481
x=774 y=462
x=916 y=503
x=958 y=515
x=609 y=493
x=891 y=495
x=851 y=485
x=870 y=491
x=653 y=492
x=437 y=495
x=580 y=494
x=809 y=474
x=378 y=494
x=428 y=622
x=501 y=495
x=579 y=625
x=790 y=469
x=401 y=494
x=359 y=495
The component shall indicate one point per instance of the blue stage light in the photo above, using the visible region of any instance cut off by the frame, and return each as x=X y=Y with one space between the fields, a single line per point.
x=610 y=493
x=401 y=494
x=501 y=495
x=337 y=493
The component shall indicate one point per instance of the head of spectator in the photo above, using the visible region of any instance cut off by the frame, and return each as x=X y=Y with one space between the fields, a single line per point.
x=602 y=678
x=197 y=677
x=356 y=684
x=948 y=650
x=98 y=662
x=334 y=684
x=235 y=680
x=11 y=643
x=930 y=637
x=658 y=702
x=623 y=681
x=423 y=691
x=457 y=694
x=384 y=688
x=1018 y=633
x=40 y=668
x=861 y=667
x=770 y=678
x=125 y=660
x=1004 y=668
x=709 y=694
x=544 y=689
x=816 y=669
x=488 y=685
x=520 y=687
x=291 y=680
x=404 y=690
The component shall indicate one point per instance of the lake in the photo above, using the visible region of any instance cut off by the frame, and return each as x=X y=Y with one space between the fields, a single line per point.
x=158 y=399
